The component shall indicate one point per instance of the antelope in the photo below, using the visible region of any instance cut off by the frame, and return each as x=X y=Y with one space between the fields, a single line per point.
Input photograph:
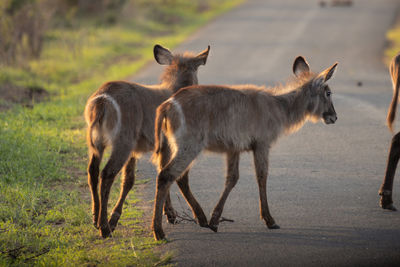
x=386 y=188
x=121 y=115
x=230 y=120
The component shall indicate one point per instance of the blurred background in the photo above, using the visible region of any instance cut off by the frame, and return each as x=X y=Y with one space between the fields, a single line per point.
x=46 y=45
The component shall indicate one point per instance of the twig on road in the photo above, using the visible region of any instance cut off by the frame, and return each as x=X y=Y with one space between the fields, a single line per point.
x=223 y=219
x=186 y=216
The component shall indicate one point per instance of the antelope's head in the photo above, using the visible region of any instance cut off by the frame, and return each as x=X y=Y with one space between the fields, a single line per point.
x=321 y=105
x=182 y=69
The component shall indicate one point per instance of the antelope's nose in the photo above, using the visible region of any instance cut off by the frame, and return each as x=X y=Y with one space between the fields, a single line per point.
x=334 y=118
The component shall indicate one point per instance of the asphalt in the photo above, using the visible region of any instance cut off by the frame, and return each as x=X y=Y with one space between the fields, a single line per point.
x=323 y=180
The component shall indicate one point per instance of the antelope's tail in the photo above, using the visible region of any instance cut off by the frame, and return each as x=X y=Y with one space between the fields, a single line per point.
x=395 y=75
x=161 y=114
x=94 y=114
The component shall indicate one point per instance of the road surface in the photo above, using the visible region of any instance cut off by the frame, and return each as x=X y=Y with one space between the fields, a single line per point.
x=323 y=180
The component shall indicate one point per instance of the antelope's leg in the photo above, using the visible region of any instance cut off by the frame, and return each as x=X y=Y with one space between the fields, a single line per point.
x=261 y=165
x=119 y=156
x=174 y=169
x=165 y=157
x=231 y=179
x=198 y=213
x=164 y=181
x=169 y=210
x=386 y=188
x=93 y=181
x=128 y=180
x=183 y=184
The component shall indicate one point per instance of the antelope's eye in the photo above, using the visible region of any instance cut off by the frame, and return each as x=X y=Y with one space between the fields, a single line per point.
x=328 y=93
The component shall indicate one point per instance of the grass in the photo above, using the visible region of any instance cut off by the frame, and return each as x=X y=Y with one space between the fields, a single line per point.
x=393 y=37
x=44 y=199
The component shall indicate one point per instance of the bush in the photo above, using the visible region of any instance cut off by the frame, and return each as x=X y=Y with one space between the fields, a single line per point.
x=22 y=27
x=23 y=23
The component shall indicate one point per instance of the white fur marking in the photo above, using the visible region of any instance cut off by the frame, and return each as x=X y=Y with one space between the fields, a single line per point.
x=181 y=116
x=117 y=109
x=173 y=138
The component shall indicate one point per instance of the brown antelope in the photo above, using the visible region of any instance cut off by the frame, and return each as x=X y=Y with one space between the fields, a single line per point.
x=386 y=188
x=232 y=119
x=121 y=115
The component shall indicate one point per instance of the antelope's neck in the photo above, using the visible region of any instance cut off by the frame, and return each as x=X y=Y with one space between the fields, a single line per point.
x=171 y=86
x=295 y=106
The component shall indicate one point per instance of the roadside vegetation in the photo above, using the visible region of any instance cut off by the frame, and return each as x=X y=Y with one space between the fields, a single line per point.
x=393 y=38
x=53 y=55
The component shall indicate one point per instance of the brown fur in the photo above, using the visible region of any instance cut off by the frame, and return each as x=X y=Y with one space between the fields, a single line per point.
x=232 y=119
x=394 y=73
x=121 y=115
x=386 y=188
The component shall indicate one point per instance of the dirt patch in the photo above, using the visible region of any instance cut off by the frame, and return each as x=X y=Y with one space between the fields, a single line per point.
x=26 y=96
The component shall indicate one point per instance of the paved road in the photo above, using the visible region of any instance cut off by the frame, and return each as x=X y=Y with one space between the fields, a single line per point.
x=324 y=180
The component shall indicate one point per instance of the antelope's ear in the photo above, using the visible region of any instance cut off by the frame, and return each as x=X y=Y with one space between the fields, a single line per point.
x=300 y=66
x=324 y=76
x=201 y=58
x=162 y=55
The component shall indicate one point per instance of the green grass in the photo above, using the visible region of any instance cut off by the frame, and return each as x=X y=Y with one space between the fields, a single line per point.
x=393 y=37
x=44 y=198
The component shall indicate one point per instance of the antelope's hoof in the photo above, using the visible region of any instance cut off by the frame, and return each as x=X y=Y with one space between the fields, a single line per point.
x=113 y=222
x=213 y=227
x=214 y=222
x=105 y=231
x=389 y=207
x=386 y=201
x=273 y=226
x=158 y=235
